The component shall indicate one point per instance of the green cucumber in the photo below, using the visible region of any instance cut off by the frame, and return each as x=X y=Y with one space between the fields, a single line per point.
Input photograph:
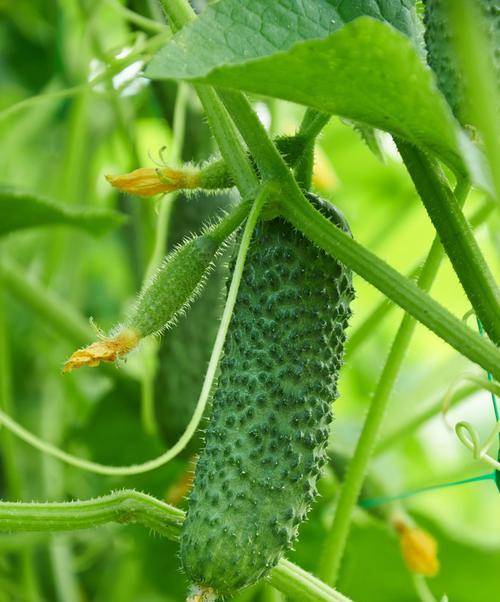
x=185 y=349
x=271 y=412
x=441 y=54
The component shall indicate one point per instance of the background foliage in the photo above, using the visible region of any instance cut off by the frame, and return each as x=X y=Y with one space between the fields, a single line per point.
x=60 y=148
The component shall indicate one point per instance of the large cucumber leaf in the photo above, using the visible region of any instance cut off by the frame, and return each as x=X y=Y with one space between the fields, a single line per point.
x=366 y=70
x=21 y=209
x=233 y=32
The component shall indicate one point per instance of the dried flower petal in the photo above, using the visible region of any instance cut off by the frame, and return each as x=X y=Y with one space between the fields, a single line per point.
x=104 y=350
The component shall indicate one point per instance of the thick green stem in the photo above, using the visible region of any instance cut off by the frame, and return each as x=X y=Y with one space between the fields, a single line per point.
x=301 y=585
x=128 y=506
x=336 y=538
x=270 y=594
x=125 y=506
x=304 y=170
x=323 y=233
x=456 y=237
x=365 y=330
x=312 y=123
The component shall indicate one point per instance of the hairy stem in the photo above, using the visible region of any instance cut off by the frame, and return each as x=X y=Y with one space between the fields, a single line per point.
x=301 y=585
x=129 y=506
x=365 y=330
x=375 y=271
x=456 y=237
x=229 y=144
x=336 y=538
x=125 y=506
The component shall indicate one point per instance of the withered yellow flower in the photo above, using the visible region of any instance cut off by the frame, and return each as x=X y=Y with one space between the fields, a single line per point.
x=419 y=550
x=148 y=181
x=105 y=350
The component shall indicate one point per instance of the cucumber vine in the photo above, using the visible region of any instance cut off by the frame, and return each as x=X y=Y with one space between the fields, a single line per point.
x=275 y=361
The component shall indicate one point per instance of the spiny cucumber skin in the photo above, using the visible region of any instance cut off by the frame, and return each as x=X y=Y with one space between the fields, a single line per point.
x=271 y=412
x=441 y=54
x=185 y=349
x=175 y=284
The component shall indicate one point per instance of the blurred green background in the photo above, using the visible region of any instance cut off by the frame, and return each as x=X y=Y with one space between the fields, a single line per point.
x=61 y=146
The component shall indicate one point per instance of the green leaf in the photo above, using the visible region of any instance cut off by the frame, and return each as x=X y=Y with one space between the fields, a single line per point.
x=21 y=209
x=233 y=32
x=365 y=71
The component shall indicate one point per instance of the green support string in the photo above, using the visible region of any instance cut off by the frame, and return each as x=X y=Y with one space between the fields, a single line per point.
x=378 y=501
x=491 y=476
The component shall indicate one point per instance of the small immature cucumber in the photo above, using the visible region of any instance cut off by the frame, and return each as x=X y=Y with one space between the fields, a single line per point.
x=186 y=268
x=181 y=276
x=185 y=349
x=266 y=440
x=174 y=286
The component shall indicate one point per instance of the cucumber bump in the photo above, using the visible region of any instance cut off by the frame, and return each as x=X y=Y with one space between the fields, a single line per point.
x=271 y=412
x=441 y=51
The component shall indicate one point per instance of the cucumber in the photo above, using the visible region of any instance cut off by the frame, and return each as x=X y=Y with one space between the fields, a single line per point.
x=441 y=52
x=185 y=349
x=271 y=412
